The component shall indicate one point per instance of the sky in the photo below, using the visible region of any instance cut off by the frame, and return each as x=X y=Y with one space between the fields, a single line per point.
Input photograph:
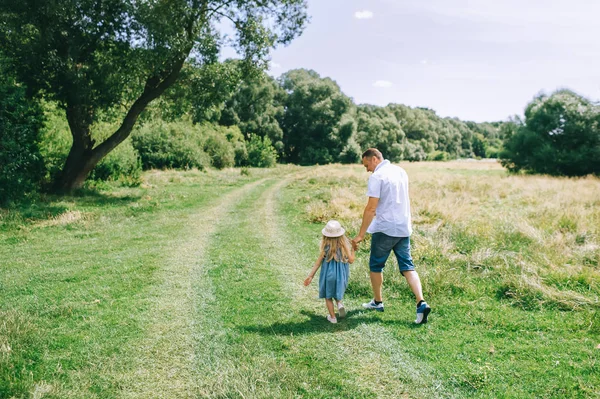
x=478 y=60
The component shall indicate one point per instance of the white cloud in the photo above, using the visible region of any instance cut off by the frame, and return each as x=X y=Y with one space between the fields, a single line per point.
x=424 y=62
x=365 y=14
x=382 y=83
x=275 y=65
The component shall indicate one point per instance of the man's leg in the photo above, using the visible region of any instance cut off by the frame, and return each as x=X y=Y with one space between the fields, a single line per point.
x=414 y=282
x=377 y=283
x=381 y=246
x=407 y=268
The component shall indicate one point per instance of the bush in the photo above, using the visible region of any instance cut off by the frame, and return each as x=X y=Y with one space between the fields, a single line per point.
x=55 y=141
x=21 y=120
x=261 y=152
x=170 y=145
x=121 y=164
x=351 y=153
x=395 y=152
x=241 y=154
x=414 y=152
x=221 y=151
x=438 y=156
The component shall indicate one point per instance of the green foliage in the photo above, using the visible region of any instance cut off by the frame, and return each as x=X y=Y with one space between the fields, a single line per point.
x=21 y=164
x=256 y=108
x=414 y=152
x=199 y=93
x=182 y=145
x=378 y=127
x=221 y=152
x=170 y=145
x=94 y=57
x=479 y=145
x=261 y=152
x=55 y=140
x=315 y=125
x=351 y=153
x=438 y=156
x=123 y=164
x=560 y=136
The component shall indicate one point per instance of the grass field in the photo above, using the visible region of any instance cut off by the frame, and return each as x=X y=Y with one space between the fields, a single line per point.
x=190 y=286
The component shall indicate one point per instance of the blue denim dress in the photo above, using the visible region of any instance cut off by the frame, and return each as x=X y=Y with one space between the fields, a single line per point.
x=333 y=278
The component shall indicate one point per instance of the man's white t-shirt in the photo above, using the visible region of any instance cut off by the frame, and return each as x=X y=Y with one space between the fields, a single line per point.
x=389 y=183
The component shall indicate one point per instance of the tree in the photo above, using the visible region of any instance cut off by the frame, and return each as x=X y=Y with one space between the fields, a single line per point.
x=256 y=108
x=378 y=127
x=21 y=165
x=560 y=136
x=91 y=56
x=199 y=93
x=316 y=122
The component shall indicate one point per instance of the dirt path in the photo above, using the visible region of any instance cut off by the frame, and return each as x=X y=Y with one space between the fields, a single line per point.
x=166 y=366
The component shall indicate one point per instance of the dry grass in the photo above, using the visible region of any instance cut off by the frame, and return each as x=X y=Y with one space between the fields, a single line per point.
x=473 y=213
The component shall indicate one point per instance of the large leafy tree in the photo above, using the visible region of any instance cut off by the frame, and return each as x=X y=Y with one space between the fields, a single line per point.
x=256 y=108
x=560 y=136
x=378 y=127
x=96 y=55
x=317 y=124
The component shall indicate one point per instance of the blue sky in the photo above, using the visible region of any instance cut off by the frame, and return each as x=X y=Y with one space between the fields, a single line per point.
x=479 y=60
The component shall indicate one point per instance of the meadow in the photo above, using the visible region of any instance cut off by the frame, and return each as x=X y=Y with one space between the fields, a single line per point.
x=190 y=286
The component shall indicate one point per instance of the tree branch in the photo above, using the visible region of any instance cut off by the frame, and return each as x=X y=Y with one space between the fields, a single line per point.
x=151 y=91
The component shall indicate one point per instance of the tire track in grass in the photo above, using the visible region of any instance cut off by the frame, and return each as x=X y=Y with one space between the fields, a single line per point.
x=165 y=360
x=360 y=349
x=233 y=363
x=259 y=338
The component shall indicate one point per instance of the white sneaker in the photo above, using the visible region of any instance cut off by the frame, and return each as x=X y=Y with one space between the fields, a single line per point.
x=373 y=305
x=331 y=319
x=341 y=310
x=422 y=313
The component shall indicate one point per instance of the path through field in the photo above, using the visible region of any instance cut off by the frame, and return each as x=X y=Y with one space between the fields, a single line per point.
x=232 y=318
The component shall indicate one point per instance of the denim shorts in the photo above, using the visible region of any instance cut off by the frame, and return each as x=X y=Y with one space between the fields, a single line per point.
x=381 y=247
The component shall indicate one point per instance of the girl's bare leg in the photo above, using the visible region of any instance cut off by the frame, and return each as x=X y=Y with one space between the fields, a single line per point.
x=330 y=309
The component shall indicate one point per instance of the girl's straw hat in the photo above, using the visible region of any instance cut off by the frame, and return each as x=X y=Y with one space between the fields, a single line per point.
x=333 y=229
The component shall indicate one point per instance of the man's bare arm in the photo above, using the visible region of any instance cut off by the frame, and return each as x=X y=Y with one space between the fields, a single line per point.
x=368 y=215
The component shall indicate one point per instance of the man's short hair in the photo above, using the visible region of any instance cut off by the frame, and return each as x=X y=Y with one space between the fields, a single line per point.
x=372 y=152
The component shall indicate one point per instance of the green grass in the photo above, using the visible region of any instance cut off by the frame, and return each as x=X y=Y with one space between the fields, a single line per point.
x=191 y=286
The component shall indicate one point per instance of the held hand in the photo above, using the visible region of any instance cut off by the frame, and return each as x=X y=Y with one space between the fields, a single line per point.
x=355 y=242
x=307 y=281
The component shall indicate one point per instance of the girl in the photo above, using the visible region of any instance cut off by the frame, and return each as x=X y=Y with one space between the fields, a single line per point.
x=334 y=259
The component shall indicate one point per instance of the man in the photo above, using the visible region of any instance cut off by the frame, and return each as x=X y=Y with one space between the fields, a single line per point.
x=387 y=218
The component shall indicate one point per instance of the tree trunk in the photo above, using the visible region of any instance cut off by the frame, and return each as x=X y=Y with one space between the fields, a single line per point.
x=83 y=157
x=76 y=169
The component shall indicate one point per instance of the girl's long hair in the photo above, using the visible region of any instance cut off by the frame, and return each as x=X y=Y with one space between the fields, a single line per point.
x=333 y=244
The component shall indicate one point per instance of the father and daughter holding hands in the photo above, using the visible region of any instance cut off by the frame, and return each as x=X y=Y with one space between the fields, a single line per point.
x=387 y=218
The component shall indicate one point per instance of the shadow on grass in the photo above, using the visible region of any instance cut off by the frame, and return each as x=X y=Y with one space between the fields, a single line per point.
x=52 y=205
x=317 y=323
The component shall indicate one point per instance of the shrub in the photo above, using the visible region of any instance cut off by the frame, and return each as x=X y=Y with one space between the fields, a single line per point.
x=21 y=164
x=221 y=152
x=170 y=145
x=55 y=141
x=351 y=153
x=261 y=152
x=414 y=152
x=395 y=152
x=122 y=164
x=438 y=156
x=241 y=154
